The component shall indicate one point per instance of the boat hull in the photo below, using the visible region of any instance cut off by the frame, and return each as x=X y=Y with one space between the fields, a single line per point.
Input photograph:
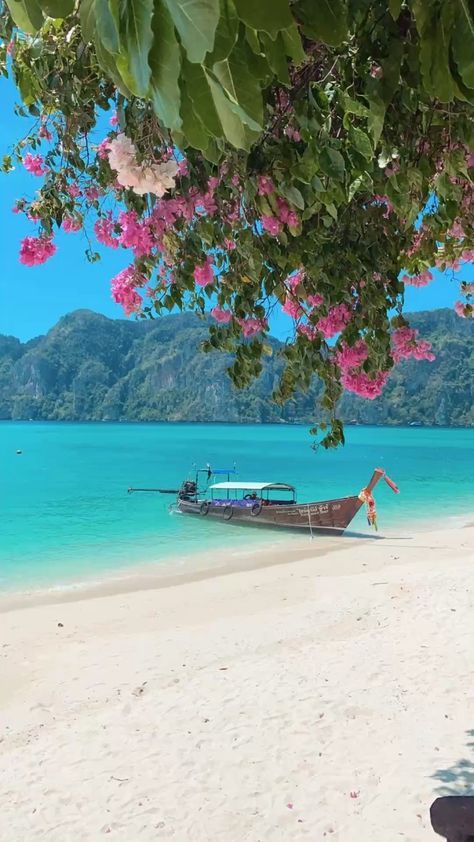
x=327 y=516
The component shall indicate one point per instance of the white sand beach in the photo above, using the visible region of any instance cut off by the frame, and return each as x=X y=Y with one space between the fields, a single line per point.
x=327 y=698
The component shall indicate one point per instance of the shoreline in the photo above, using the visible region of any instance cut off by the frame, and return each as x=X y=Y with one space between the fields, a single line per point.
x=177 y=570
x=316 y=698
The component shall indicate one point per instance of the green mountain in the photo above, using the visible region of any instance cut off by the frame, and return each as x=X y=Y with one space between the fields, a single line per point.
x=91 y=368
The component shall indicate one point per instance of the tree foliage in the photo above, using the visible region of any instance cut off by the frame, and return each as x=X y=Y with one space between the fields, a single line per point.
x=294 y=155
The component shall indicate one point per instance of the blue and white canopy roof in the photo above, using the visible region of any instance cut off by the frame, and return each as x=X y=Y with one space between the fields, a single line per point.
x=252 y=486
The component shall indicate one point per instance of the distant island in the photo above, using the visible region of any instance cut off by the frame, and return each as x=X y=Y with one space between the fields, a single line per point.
x=91 y=368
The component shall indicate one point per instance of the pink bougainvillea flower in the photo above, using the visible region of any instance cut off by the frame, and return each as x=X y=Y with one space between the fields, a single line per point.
x=230 y=245
x=365 y=385
x=292 y=133
x=71 y=224
x=292 y=308
x=250 y=327
x=104 y=229
x=335 y=321
x=44 y=133
x=136 y=233
x=307 y=330
x=73 y=191
x=464 y=310
x=34 y=164
x=351 y=356
x=103 y=149
x=124 y=292
x=220 y=315
x=315 y=300
x=271 y=225
x=93 y=193
x=405 y=344
x=204 y=273
x=421 y=280
x=376 y=71
x=265 y=186
x=36 y=250
x=113 y=120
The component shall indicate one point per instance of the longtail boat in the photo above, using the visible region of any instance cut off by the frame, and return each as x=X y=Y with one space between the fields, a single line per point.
x=269 y=504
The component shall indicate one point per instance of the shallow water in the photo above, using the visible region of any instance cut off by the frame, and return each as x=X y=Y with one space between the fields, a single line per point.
x=66 y=514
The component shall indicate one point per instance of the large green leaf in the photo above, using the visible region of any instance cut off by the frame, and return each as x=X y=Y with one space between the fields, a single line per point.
x=99 y=24
x=196 y=22
x=463 y=45
x=165 y=64
x=241 y=87
x=136 y=38
x=275 y=54
x=26 y=14
x=293 y=44
x=376 y=117
x=323 y=20
x=234 y=129
x=226 y=33
x=192 y=127
x=266 y=15
x=440 y=72
x=395 y=8
x=332 y=163
x=57 y=8
x=109 y=65
x=361 y=141
x=197 y=86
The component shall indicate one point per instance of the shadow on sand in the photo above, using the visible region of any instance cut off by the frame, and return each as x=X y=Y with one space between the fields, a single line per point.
x=458 y=779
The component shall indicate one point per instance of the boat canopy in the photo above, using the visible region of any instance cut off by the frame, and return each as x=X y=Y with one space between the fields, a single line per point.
x=252 y=486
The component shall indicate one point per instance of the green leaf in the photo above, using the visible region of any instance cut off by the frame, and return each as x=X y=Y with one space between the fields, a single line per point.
x=293 y=44
x=395 y=8
x=234 y=129
x=199 y=92
x=276 y=56
x=353 y=106
x=323 y=20
x=290 y=192
x=376 y=117
x=268 y=16
x=463 y=45
x=252 y=40
x=26 y=14
x=165 y=65
x=361 y=142
x=57 y=8
x=440 y=72
x=196 y=22
x=332 y=163
x=192 y=126
x=226 y=33
x=109 y=65
x=136 y=38
x=241 y=87
x=99 y=24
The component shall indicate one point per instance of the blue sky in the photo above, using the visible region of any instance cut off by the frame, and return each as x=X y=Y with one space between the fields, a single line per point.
x=33 y=299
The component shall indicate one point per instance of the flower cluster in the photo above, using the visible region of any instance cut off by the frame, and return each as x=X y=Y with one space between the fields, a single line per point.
x=421 y=280
x=406 y=344
x=36 y=250
x=34 y=164
x=124 y=290
x=204 y=273
x=155 y=178
x=336 y=320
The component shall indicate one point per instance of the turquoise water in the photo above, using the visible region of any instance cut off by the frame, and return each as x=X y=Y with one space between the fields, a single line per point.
x=66 y=514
